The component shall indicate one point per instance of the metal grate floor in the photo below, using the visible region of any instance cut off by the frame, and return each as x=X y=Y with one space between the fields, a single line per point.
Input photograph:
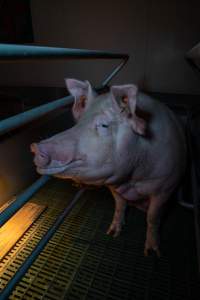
x=82 y=263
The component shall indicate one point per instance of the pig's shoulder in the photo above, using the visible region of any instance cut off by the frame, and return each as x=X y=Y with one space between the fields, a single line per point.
x=148 y=103
x=152 y=109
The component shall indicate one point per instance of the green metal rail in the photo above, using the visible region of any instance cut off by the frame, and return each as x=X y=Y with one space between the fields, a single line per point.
x=11 y=53
x=17 y=52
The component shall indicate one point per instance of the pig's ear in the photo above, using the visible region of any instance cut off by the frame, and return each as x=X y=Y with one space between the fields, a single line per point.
x=125 y=96
x=82 y=93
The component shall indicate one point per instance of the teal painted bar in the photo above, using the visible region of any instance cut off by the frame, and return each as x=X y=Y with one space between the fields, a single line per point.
x=30 y=115
x=22 y=199
x=10 y=52
x=4 y=294
x=114 y=72
x=21 y=52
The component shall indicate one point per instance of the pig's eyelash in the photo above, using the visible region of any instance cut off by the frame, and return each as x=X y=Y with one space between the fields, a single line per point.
x=102 y=125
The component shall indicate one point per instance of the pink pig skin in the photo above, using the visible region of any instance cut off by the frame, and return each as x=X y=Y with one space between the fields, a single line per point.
x=124 y=140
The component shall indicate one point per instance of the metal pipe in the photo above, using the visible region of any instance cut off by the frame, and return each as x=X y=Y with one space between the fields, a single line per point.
x=8 y=51
x=18 y=52
x=21 y=52
x=40 y=246
x=22 y=199
x=27 y=116
x=114 y=72
x=30 y=115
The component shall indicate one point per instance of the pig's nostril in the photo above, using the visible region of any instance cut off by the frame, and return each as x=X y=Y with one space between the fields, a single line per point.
x=41 y=159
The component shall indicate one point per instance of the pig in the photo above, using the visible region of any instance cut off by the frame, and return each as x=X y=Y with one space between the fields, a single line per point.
x=122 y=139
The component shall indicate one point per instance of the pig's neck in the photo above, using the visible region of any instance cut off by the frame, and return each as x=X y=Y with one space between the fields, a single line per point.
x=127 y=187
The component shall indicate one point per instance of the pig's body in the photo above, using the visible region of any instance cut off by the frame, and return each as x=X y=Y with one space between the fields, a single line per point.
x=125 y=140
x=159 y=157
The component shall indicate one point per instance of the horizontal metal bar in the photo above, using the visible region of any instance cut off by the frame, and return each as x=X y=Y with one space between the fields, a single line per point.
x=40 y=246
x=18 y=52
x=22 y=199
x=30 y=115
x=21 y=52
x=8 y=51
x=18 y=120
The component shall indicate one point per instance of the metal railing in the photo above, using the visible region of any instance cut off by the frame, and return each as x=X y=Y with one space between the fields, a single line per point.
x=10 y=52
x=17 y=53
x=39 y=247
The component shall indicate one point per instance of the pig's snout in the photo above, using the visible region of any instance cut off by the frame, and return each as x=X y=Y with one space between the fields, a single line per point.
x=42 y=158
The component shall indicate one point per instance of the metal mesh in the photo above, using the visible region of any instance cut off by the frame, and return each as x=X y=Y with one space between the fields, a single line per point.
x=82 y=262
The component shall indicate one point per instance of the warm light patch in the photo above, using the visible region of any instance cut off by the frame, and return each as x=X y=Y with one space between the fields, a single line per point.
x=16 y=226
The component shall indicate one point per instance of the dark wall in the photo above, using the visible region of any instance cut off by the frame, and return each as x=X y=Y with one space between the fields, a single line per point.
x=15 y=22
x=156 y=34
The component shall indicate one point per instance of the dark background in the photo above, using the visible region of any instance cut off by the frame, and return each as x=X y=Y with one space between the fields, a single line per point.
x=15 y=21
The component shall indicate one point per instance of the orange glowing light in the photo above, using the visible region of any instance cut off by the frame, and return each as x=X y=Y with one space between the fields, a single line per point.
x=16 y=226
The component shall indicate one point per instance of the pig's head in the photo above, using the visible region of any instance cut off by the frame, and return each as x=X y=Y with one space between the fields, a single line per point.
x=102 y=147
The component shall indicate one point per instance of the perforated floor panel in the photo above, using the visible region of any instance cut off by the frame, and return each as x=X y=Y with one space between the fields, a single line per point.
x=82 y=262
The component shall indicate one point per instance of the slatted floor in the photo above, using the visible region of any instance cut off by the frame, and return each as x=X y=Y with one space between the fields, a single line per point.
x=82 y=262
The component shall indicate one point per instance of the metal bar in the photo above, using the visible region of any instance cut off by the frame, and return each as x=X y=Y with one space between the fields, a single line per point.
x=18 y=52
x=40 y=246
x=8 y=51
x=30 y=115
x=21 y=52
x=22 y=199
x=114 y=72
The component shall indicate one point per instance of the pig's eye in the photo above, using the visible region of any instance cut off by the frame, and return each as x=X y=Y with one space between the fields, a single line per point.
x=102 y=129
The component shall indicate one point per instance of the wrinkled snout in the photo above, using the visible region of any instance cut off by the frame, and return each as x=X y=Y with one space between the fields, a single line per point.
x=41 y=158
